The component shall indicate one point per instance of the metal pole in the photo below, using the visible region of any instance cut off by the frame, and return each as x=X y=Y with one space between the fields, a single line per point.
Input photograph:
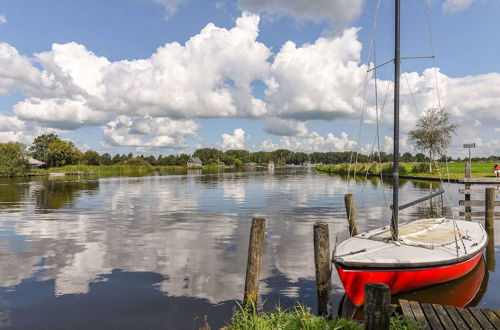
x=395 y=175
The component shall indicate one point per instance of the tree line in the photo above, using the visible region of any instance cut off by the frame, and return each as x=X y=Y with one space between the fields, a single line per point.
x=53 y=151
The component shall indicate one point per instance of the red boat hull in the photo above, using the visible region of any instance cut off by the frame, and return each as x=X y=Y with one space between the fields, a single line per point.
x=403 y=280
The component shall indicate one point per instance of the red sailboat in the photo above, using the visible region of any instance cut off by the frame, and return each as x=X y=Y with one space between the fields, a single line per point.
x=412 y=255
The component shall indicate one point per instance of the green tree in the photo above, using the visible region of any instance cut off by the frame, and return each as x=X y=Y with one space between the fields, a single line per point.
x=420 y=157
x=298 y=158
x=63 y=153
x=105 y=159
x=91 y=157
x=407 y=157
x=137 y=161
x=208 y=155
x=13 y=160
x=40 y=147
x=433 y=133
x=118 y=158
x=182 y=160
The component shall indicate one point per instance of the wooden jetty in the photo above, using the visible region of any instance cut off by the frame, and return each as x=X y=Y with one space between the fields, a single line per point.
x=433 y=316
x=491 y=180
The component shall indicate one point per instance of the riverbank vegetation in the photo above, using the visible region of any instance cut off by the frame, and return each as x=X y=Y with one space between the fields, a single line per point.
x=13 y=160
x=300 y=317
x=453 y=170
x=63 y=156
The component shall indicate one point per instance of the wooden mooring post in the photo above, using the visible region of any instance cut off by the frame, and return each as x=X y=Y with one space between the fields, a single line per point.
x=351 y=214
x=377 y=307
x=254 y=263
x=323 y=268
x=489 y=225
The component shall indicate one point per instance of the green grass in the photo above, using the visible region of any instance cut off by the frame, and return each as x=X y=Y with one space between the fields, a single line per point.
x=124 y=169
x=454 y=170
x=100 y=170
x=300 y=317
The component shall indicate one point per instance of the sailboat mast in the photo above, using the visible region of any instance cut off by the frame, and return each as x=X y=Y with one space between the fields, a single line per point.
x=395 y=174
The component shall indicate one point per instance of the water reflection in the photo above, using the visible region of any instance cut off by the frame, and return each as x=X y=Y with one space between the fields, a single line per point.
x=177 y=240
x=459 y=293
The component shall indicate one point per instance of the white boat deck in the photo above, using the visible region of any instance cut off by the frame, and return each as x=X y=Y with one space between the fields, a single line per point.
x=422 y=243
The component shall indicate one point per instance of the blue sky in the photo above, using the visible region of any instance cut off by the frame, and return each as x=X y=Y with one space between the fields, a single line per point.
x=170 y=76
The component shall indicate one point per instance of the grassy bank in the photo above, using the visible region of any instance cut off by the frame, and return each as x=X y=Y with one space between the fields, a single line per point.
x=123 y=169
x=301 y=318
x=454 y=170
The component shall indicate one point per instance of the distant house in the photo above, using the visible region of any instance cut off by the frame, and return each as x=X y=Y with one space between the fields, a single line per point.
x=35 y=163
x=194 y=162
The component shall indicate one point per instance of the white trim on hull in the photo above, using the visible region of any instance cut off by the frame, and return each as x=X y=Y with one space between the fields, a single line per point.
x=424 y=243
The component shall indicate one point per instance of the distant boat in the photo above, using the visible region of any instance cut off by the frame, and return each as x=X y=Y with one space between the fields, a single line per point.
x=413 y=255
x=270 y=165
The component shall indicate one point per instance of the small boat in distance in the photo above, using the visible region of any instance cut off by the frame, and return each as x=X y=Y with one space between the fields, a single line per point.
x=411 y=255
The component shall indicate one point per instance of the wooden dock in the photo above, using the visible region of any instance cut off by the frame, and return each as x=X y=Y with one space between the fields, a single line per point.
x=491 y=180
x=433 y=316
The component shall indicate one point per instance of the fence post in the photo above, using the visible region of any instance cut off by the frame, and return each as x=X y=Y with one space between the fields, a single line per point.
x=254 y=263
x=351 y=214
x=377 y=306
x=323 y=266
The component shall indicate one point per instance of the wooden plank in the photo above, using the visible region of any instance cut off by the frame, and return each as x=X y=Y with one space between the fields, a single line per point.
x=483 y=321
x=474 y=192
x=477 y=213
x=456 y=318
x=431 y=316
x=476 y=203
x=467 y=316
x=443 y=316
x=419 y=314
x=492 y=317
x=405 y=307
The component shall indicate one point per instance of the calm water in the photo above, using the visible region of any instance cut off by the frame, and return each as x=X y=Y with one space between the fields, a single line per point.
x=164 y=251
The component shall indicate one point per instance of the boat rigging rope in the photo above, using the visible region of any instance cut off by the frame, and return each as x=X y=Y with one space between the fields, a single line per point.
x=429 y=29
x=363 y=101
x=411 y=93
x=448 y=199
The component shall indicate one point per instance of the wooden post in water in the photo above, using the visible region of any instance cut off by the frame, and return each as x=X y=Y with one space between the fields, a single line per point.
x=377 y=306
x=323 y=268
x=489 y=208
x=489 y=225
x=254 y=263
x=468 y=209
x=351 y=214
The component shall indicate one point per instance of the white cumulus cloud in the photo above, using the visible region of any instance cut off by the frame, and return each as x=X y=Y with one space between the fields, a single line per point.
x=148 y=132
x=318 y=81
x=3 y=20
x=312 y=142
x=235 y=141
x=211 y=76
